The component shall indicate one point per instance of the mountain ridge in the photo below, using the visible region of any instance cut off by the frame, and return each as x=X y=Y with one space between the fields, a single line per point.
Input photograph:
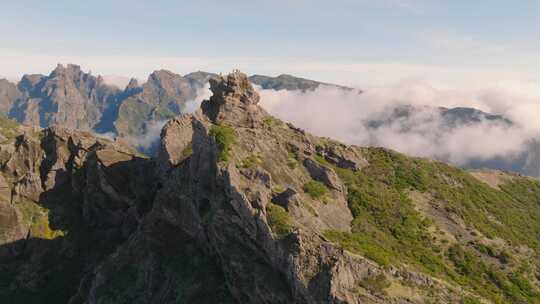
x=75 y=99
x=258 y=210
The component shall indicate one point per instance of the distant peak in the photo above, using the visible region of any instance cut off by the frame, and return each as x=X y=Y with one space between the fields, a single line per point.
x=70 y=69
x=133 y=83
x=158 y=74
x=28 y=81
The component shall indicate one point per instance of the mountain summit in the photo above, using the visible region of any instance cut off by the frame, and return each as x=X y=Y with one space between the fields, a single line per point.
x=240 y=207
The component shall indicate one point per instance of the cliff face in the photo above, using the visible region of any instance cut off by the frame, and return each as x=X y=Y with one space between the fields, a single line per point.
x=8 y=94
x=68 y=199
x=214 y=200
x=67 y=97
x=162 y=97
x=240 y=207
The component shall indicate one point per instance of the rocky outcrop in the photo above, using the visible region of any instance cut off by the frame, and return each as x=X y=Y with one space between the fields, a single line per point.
x=8 y=94
x=212 y=215
x=67 y=200
x=223 y=214
x=219 y=209
x=234 y=102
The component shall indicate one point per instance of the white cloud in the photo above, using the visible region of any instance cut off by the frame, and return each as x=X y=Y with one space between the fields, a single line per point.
x=202 y=94
x=344 y=116
x=149 y=141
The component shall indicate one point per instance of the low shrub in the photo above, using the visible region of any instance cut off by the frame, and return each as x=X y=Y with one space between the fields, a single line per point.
x=315 y=189
x=279 y=220
x=375 y=284
x=225 y=137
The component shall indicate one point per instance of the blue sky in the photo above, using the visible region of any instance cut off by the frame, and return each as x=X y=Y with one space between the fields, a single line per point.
x=355 y=42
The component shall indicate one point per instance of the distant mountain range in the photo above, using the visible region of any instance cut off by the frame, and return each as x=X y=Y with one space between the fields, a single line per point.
x=75 y=99
x=78 y=100
x=240 y=207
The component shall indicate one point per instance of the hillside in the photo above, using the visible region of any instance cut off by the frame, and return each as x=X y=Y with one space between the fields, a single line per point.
x=240 y=207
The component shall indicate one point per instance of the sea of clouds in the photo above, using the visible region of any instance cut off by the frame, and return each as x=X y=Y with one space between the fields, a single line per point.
x=345 y=115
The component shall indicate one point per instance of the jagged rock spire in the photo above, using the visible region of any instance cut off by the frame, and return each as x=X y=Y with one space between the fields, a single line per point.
x=133 y=84
x=234 y=101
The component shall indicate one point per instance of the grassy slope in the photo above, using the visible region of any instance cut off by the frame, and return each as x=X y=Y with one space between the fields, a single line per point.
x=388 y=229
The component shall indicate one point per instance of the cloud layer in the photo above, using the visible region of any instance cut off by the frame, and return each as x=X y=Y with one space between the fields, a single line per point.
x=369 y=119
x=350 y=117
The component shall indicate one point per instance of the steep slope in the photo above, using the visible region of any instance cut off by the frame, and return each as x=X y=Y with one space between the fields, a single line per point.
x=162 y=97
x=67 y=97
x=8 y=94
x=67 y=200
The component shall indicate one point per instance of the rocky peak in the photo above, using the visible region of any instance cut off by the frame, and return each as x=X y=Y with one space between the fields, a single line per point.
x=133 y=84
x=132 y=88
x=169 y=89
x=67 y=96
x=68 y=70
x=162 y=75
x=30 y=81
x=234 y=101
x=166 y=81
x=200 y=78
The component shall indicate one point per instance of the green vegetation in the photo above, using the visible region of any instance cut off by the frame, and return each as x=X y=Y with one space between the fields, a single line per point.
x=315 y=189
x=279 y=220
x=388 y=229
x=278 y=189
x=469 y=300
x=8 y=127
x=38 y=219
x=251 y=161
x=321 y=160
x=474 y=272
x=225 y=137
x=292 y=162
x=362 y=243
x=187 y=152
x=272 y=122
x=375 y=284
